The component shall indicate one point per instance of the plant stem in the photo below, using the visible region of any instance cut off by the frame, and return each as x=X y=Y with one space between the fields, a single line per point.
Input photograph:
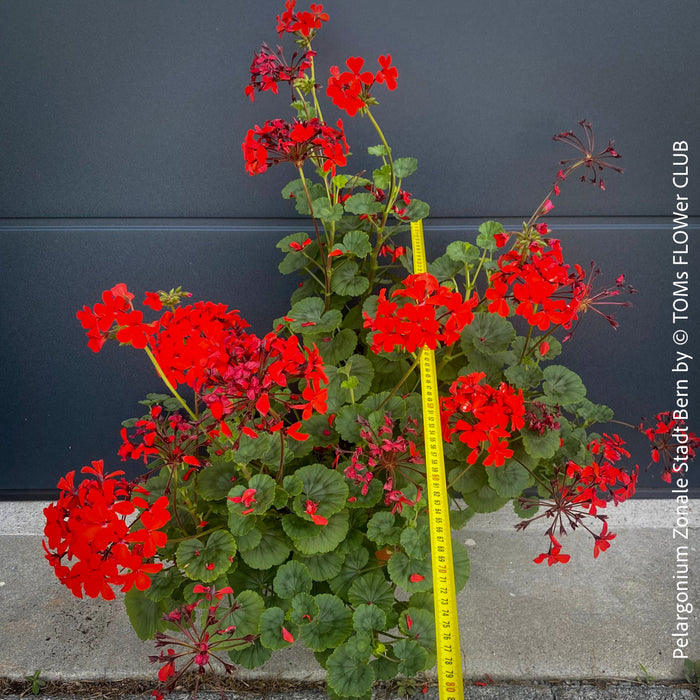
x=171 y=388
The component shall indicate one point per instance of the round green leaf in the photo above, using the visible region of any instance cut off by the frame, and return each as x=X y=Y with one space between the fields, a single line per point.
x=371 y=589
x=271 y=623
x=326 y=487
x=562 y=386
x=381 y=529
x=303 y=609
x=347 y=281
x=246 y=617
x=509 y=479
x=363 y=203
x=413 y=575
x=312 y=311
x=322 y=567
x=487 y=231
x=488 y=333
x=338 y=347
x=347 y=675
x=368 y=618
x=214 y=482
x=353 y=566
x=330 y=627
x=541 y=446
x=251 y=656
x=310 y=538
x=403 y=167
x=273 y=550
x=356 y=243
x=419 y=625
x=145 y=615
x=462 y=252
x=292 y=578
x=416 y=541
x=414 y=658
x=206 y=562
x=357 y=367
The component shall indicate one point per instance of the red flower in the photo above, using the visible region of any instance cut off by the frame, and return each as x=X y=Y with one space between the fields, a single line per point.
x=482 y=417
x=278 y=141
x=310 y=510
x=87 y=537
x=270 y=68
x=305 y=24
x=553 y=556
x=349 y=90
x=430 y=314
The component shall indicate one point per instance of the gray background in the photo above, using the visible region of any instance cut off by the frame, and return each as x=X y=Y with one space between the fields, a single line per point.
x=120 y=160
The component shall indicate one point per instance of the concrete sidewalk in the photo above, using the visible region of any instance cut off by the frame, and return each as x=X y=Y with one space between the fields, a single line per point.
x=589 y=619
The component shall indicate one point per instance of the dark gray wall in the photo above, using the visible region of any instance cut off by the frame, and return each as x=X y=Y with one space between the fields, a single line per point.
x=120 y=131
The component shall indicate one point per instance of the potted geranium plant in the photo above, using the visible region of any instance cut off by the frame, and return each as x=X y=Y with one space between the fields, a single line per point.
x=283 y=493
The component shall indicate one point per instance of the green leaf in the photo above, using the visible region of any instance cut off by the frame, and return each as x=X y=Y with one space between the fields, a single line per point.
x=416 y=210
x=382 y=177
x=206 y=562
x=292 y=578
x=303 y=609
x=592 y=412
x=264 y=486
x=273 y=550
x=310 y=538
x=330 y=627
x=163 y=584
x=363 y=203
x=347 y=281
x=414 y=658
x=523 y=376
x=476 y=491
x=381 y=529
x=325 y=487
x=271 y=624
x=421 y=628
x=326 y=211
x=488 y=333
x=347 y=675
x=509 y=480
x=487 y=231
x=214 y=482
x=356 y=366
x=251 y=656
x=413 y=575
x=444 y=268
x=312 y=311
x=541 y=446
x=403 y=167
x=562 y=386
x=463 y=252
x=145 y=615
x=523 y=511
x=368 y=618
x=322 y=567
x=246 y=617
x=460 y=564
x=416 y=541
x=353 y=566
x=372 y=589
x=356 y=243
x=380 y=150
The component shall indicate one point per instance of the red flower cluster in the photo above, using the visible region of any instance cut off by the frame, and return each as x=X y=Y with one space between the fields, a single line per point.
x=349 y=90
x=278 y=141
x=305 y=24
x=388 y=454
x=672 y=444
x=116 y=307
x=578 y=492
x=88 y=524
x=541 y=285
x=269 y=68
x=170 y=437
x=482 y=417
x=430 y=314
x=249 y=389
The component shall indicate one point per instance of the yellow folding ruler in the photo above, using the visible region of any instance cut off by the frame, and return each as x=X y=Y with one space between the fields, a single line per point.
x=449 y=661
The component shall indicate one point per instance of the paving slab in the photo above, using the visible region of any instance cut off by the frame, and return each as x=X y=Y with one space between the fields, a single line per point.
x=591 y=618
